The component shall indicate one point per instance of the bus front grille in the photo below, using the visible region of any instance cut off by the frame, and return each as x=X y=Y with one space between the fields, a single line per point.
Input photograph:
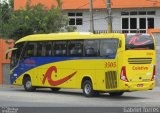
x=111 y=79
x=139 y=60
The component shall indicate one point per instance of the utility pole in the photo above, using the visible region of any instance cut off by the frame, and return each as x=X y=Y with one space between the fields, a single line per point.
x=91 y=17
x=109 y=12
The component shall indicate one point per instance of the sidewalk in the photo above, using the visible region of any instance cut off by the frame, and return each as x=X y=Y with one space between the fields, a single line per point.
x=2 y=86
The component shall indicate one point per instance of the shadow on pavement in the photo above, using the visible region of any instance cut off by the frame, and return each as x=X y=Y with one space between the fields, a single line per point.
x=80 y=94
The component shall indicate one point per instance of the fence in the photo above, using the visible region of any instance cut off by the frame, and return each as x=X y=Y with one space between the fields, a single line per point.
x=119 y=31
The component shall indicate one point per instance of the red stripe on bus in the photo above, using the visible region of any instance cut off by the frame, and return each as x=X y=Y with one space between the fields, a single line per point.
x=56 y=82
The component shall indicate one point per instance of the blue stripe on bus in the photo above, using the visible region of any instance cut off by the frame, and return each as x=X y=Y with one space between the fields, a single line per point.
x=34 y=62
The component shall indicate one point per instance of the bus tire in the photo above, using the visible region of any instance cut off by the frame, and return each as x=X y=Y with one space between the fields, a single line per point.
x=55 y=89
x=88 y=89
x=116 y=93
x=28 y=84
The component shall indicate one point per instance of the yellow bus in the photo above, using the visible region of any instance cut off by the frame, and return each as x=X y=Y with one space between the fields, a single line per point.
x=113 y=63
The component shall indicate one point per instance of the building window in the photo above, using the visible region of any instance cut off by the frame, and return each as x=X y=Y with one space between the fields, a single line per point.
x=150 y=23
x=133 y=23
x=124 y=13
x=151 y=13
x=133 y=13
x=79 y=21
x=125 y=24
x=138 y=13
x=75 y=18
x=72 y=21
x=142 y=12
x=137 y=21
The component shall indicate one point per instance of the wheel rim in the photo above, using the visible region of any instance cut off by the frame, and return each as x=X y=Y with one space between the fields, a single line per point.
x=87 y=88
x=28 y=84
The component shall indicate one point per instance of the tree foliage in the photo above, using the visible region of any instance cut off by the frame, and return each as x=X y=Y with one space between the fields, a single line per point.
x=34 y=20
x=5 y=12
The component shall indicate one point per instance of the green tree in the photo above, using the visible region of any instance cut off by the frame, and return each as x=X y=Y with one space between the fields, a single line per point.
x=5 y=13
x=35 y=20
x=11 y=3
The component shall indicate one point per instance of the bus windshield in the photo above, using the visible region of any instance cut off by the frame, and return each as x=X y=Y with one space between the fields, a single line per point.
x=139 y=42
x=16 y=55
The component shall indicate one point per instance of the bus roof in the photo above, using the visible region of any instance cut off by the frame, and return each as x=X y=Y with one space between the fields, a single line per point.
x=68 y=36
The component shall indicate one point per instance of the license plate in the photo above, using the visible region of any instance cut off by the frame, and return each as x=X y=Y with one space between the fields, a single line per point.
x=139 y=85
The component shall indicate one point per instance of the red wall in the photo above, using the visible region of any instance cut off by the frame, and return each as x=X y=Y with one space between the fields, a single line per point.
x=4 y=45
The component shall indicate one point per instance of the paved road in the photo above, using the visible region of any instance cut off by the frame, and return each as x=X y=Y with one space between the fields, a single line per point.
x=16 y=96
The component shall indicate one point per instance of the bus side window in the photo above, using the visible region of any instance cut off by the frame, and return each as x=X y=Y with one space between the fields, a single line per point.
x=108 y=47
x=75 y=48
x=48 y=49
x=40 y=49
x=30 y=50
x=91 y=48
x=60 y=48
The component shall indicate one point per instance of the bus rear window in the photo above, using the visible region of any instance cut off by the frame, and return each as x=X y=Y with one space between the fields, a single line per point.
x=139 y=42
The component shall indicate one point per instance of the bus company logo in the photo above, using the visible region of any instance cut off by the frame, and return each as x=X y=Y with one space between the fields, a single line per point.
x=136 y=37
x=56 y=82
x=139 y=68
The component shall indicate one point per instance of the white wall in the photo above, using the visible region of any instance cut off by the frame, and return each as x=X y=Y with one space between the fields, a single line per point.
x=157 y=18
x=116 y=20
x=100 y=20
x=99 y=16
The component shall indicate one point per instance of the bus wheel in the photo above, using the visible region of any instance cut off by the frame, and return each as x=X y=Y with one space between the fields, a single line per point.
x=55 y=89
x=116 y=93
x=88 y=89
x=28 y=85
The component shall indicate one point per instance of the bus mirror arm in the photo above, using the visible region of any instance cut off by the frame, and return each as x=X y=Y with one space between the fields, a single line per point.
x=8 y=51
x=6 y=56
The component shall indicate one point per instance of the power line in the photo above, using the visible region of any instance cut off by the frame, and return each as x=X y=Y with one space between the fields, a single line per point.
x=94 y=19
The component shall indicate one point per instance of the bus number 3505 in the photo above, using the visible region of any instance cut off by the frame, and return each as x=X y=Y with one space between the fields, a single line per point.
x=110 y=65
